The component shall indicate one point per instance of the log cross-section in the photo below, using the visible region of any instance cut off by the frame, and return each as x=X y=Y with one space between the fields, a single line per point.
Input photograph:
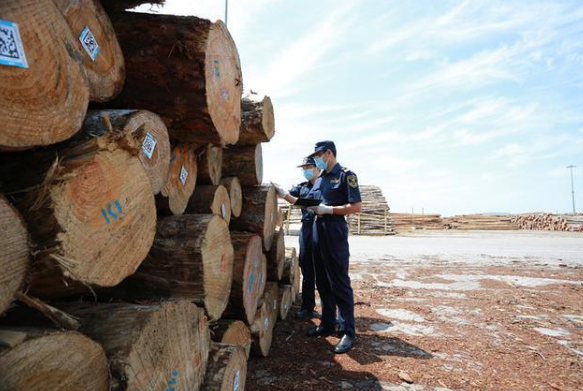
x=257 y=120
x=259 y=213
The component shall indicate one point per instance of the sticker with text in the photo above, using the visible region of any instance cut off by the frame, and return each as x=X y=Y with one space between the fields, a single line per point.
x=149 y=145
x=89 y=43
x=11 y=48
x=183 y=175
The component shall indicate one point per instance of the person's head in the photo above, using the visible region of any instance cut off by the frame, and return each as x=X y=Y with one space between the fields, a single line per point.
x=309 y=169
x=324 y=154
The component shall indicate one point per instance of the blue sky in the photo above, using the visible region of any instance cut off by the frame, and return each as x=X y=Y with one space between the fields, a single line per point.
x=450 y=106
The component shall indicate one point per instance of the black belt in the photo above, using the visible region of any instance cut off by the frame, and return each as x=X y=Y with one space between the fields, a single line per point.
x=331 y=218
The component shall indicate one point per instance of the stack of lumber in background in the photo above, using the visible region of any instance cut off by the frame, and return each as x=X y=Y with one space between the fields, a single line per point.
x=140 y=249
x=480 y=222
x=550 y=222
x=409 y=221
x=375 y=218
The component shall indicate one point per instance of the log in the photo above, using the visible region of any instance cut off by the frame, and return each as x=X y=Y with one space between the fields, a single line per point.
x=285 y=301
x=38 y=360
x=102 y=56
x=15 y=254
x=122 y=5
x=257 y=120
x=233 y=186
x=210 y=199
x=270 y=299
x=227 y=368
x=149 y=347
x=276 y=257
x=291 y=253
x=181 y=182
x=46 y=102
x=141 y=130
x=187 y=70
x=259 y=213
x=192 y=258
x=232 y=332
x=261 y=332
x=244 y=162
x=89 y=210
x=289 y=266
x=210 y=165
x=248 y=271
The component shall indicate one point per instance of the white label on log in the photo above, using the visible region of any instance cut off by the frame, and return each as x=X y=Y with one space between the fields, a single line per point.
x=266 y=323
x=11 y=48
x=236 y=381
x=183 y=175
x=89 y=43
x=286 y=306
x=149 y=145
x=224 y=211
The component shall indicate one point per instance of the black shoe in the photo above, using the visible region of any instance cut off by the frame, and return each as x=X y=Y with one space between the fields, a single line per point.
x=340 y=331
x=345 y=344
x=303 y=314
x=317 y=331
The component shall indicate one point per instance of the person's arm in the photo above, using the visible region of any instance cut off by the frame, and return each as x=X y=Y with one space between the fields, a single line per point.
x=341 y=210
x=284 y=194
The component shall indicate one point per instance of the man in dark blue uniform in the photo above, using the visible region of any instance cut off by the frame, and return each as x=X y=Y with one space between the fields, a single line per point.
x=337 y=187
x=310 y=173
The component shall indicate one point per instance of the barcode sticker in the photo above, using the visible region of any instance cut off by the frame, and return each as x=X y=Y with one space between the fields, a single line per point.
x=11 y=48
x=149 y=145
x=89 y=43
x=183 y=175
x=224 y=211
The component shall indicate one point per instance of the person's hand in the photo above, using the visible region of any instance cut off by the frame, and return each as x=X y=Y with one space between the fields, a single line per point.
x=322 y=210
x=281 y=192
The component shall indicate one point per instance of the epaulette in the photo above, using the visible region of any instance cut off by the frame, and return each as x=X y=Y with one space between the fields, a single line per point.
x=345 y=169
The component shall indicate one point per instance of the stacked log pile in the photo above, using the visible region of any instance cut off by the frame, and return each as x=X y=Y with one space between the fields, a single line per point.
x=480 y=222
x=151 y=204
x=375 y=218
x=408 y=221
x=549 y=222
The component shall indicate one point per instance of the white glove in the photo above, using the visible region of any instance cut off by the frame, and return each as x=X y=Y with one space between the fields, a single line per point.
x=281 y=192
x=322 y=210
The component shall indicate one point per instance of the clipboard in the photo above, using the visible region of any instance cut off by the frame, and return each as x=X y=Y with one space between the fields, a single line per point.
x=306 y=202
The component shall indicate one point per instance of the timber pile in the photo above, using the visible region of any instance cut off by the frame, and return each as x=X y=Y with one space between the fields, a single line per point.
x=408 y=221
x=550 y=222
x=480 y=222
x=151 y=204
x=375 y=218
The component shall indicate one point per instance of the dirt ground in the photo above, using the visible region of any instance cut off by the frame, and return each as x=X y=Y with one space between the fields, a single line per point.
x=447 y=311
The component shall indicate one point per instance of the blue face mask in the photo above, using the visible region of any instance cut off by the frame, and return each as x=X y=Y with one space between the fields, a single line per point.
x=309 y=174
x=320 y=163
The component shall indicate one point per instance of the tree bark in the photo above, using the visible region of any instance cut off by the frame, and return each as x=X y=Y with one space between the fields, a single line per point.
x=210 y=199
x=227 y=368
x=276 y=257
x=143 y=132
x=186 y=69
x=15 y=254
x=39 y=359
x=149 y=347
x=181 y=182
x=233 y=186
x=232 y=332
x=105 y=69
x=210 y=165
x=46 y=102
x=259 y=213
x=89 y=209
x=248 y=276
x=244 y=162
x=290 y=253
x=192 y=258
x=257 y=120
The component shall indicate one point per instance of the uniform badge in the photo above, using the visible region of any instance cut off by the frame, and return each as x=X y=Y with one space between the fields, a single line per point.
x=352 y=181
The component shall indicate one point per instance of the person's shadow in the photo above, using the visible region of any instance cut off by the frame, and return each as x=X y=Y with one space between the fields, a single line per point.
x=297 y=362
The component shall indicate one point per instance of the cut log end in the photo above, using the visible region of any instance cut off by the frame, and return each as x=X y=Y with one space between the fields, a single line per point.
x=15 y=256
x=106 y=215
x=285 y=301
x=276 y=257
x=210 y=165
x=227 y=368
x=45 y=102
x=57 y=361
x=233 y=186
x=224 y=82
x=233 y=332
x=257 y=120
x=174 y=196
x=211 y=199
x=259 y=213
x=105 y=67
